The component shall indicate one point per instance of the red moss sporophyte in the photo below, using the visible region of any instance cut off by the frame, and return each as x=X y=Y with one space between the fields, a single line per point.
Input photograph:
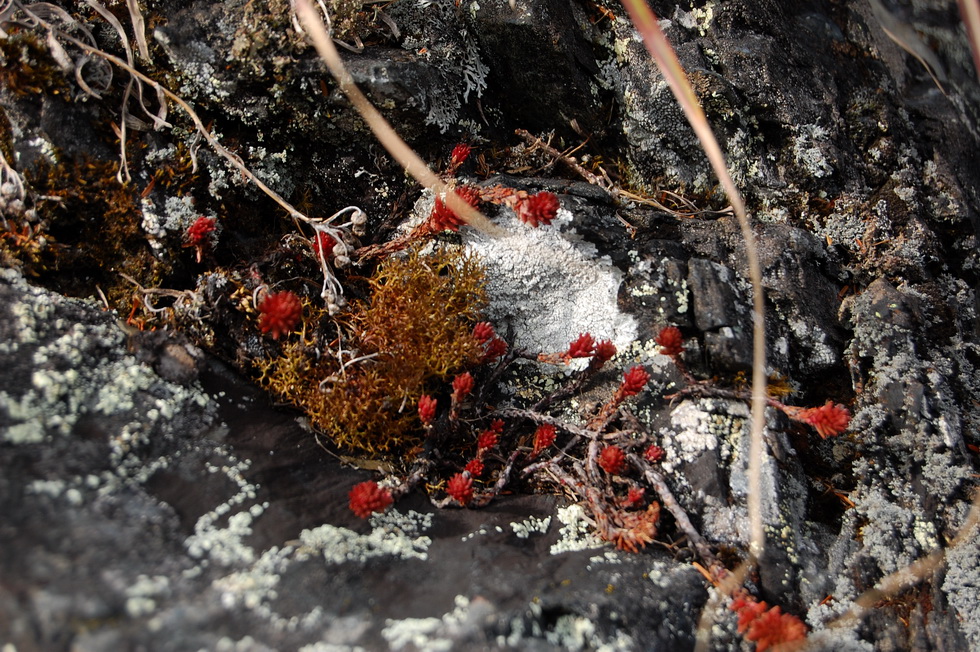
x=199 y=235
x=767 y=627
x=671 y=341
x=460 y=488
x=634 y=381
x=367 y=498
x=828 y=420
x=544 y=436
x=474 y=467
x=583 y=347
x=427 y=409
x=538 y=209
x=280 y=313
x=612 y=459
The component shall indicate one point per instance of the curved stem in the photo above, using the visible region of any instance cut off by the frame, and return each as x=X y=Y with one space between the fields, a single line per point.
x=657 y=45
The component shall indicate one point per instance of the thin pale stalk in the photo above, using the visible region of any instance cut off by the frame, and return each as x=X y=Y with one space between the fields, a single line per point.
x=656 y=43
x=916 y=572
x=383 y=131
x=226 y=153
x=970 y=11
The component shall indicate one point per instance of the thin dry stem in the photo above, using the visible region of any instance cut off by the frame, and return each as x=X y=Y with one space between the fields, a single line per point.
x=313 y=25
x=918 y=571
x=970 y=11
x=198 y=123
x=659 y=48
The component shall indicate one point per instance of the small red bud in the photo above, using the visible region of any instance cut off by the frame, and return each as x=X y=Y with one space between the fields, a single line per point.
x=634 y=381
x=612 y=459
x=460 y=487
x=462 y=386
x=670 y=340
x=427 y=409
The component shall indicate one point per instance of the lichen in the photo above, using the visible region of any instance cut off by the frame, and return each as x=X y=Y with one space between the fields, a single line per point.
x=551 y=285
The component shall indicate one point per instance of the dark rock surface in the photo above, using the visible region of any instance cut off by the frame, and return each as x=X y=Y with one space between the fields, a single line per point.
x=151 y=498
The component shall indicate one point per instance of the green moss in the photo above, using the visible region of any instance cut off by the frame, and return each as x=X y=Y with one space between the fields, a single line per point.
x=417 y=330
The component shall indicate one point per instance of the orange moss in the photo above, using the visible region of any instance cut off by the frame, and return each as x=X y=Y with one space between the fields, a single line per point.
x=413 y=335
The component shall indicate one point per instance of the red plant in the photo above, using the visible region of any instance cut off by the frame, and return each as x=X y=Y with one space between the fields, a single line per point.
x=635 y=495
x=544 y=436
x=460 y=153
x=443 y=217
x=323 y=242
x=654 y=454
x=828 y=420
x=583 y=347
x=427 y=409
x=462 y=386
x=280 y=313
x=495 y=348
x=483 y=332
x=460 y=488
x=474 y=467
x=604 y=351
x=367 y=497
x=767 y=627
x=487 y=440
x=198 y=235
x=538 y=209
x=671 y=341
x=634 y=381
x=612 y=459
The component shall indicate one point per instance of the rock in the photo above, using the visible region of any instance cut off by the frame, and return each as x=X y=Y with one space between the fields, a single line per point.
x=152 y=498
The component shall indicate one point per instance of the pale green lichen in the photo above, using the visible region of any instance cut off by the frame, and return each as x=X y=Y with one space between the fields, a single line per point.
x=393 y=534
x=531 y=525
x=576 y=533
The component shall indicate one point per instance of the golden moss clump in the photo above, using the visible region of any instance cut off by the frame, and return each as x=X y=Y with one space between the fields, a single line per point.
x=412 y=336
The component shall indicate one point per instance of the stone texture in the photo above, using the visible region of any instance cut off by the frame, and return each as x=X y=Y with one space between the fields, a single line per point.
x=152 y=499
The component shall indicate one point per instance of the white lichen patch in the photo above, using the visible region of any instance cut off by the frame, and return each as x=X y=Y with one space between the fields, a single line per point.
x=254 y=587
x=476 y=533
x=174 y=217
x=393 y=534
x=608 y=557
x=809 y=150
x=695 y=430
x=550 y=284
x=573 y=632
x=576 y=532
x=531 y=525
x=73 y=375
x=437 y=634
x=142 y=595
x=962 y=586
x=820 y=353
x=699 y=18
x=330 y=647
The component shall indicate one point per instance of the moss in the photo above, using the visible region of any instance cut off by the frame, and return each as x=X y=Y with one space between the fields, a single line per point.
x=92 y=230
x=175 y=174
x=27 y=68
x=416 y=329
